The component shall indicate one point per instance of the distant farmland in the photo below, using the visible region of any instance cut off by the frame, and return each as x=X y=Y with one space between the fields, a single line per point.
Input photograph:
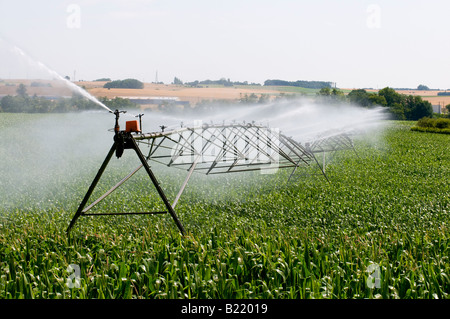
x=184 y=93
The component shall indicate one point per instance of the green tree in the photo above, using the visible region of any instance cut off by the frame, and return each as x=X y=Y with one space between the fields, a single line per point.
x=21 y=90
x=325 y=91
x=177 y=81
x=377 y=99
x=125 y=84
x=420 y=108
x=8 y=104
x=398 y=111
x=390 y=95
x=263 y=98
x=360 y=97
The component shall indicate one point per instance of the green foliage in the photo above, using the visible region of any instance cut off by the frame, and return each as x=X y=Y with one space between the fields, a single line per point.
x=331 y=95
x=391 y=96
x=304 y=84
x=125 y=84
x=423 y=87
x=366 y=99
x=220 y=82
x=251 y=235
x=360 y=97
x=35 y=104
x=431 y=130
x=433 y=125
x=21 y=90
x=118 y=103
x=177 y=81
x=402 y=107
x=26 y=104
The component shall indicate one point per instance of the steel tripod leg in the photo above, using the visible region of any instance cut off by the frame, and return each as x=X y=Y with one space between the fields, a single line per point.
x=158 y=188
x=91 y=188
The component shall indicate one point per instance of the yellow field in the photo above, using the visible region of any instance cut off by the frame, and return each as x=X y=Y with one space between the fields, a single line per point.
x=183 y=93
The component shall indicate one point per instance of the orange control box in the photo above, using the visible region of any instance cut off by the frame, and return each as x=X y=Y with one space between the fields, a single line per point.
x=132 y=126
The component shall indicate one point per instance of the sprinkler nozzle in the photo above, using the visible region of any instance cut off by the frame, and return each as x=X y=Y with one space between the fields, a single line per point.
x=116 y=126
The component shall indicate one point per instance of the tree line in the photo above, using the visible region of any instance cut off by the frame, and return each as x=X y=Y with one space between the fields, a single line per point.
x=401 y=106
x=303 y=84
x=23 y=103
x=227 y=82
x=124 y=84
x=221 y=81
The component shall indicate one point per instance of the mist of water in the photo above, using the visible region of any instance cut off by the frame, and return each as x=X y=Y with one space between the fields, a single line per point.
x=303 y=119
x=57 y=154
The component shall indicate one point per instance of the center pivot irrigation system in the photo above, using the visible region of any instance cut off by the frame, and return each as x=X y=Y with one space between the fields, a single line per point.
x=211 y=149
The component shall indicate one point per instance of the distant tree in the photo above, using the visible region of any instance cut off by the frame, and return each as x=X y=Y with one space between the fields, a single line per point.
x=398 y=111
x=67 y=78
x=390 y=95
x=22 y=90
x=177 y=81
x=377 y=99
x=193 y=84
x=418 y=108
x=366 y=99
x=227 y=83
x=118 y=103
x=303 y=84
x=326 y=91
x=406 y=107
x=337 y=92
x=332 y=95
x=7 y=104
x=263 y=98
x=125 y=84
x=337 y=95
x=360 y=97
x=249 y=99
x=423 y=87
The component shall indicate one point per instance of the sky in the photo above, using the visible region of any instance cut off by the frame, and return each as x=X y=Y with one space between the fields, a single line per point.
x=354 y=43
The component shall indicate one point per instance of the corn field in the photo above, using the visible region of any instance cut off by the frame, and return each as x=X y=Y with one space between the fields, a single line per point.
x=380 y=229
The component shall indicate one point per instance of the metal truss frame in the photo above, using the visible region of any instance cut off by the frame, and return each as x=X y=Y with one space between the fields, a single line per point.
x=214 y=149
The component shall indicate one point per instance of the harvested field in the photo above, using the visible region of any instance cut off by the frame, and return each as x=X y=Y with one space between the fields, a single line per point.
x=183 y=93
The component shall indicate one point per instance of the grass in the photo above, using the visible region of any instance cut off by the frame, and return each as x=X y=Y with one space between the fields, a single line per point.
x=250 y=235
